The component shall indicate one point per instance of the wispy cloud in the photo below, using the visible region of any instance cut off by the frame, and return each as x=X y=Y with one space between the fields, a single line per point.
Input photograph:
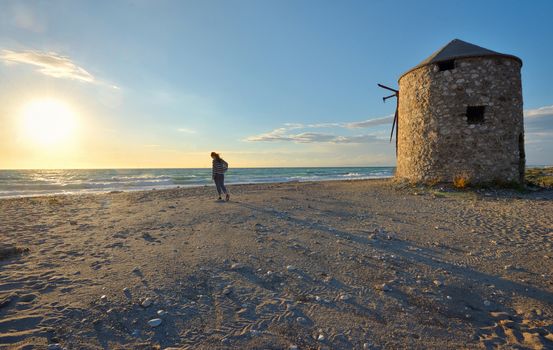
x=284 y=134
x=50 y=64
x=186 y=130
x=538 y=112
x=310 y=137
x=370 y=122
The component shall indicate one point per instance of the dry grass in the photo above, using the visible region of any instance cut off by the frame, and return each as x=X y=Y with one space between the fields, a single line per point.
x=540 y=177
x=432 y=182
x=461 y=181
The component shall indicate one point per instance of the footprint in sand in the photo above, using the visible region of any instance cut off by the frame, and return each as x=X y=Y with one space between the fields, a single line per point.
x=515 y=331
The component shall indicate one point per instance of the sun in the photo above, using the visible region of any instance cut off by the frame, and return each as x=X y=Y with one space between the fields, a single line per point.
x=48 y=122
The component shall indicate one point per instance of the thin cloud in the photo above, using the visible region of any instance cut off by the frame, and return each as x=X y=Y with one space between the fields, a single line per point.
x=538 y=112
x=50 y=64
x=283 y=134
x=186 y=130
x=370 y=122
x=280 y=135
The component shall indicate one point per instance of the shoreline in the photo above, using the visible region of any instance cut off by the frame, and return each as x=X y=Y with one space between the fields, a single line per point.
x=332 y=265
x=175 y=187
x=536 y=178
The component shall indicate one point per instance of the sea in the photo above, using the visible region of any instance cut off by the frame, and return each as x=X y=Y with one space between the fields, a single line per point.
x=26 y=183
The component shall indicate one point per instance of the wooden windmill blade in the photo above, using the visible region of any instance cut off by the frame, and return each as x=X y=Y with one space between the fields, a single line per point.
x=395 y=124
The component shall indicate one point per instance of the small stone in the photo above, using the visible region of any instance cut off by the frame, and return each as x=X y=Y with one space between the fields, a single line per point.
x=136 y=269
x=500 y=315
x=237 y=266
x=384 y=287
x=487 y=303
x=438 y=283
x=104 y=298
x=301 y=320
x=136 y=333
x=155 y=322
x=345 y=297
x=293 y=347
x=290 y=267
x=321 y=337
x=54 y=346
x=146 y=302
x=161 y=313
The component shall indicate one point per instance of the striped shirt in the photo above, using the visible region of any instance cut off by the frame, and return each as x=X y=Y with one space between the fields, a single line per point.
x=219 y=167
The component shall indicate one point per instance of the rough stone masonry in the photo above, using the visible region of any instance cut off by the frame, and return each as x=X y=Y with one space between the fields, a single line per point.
x=462 y=121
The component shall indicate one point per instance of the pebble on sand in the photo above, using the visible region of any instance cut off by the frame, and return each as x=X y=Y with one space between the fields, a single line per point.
x=155 y=322
x=237 y=266
x=104 y=297
x=161 y=312
x=345 y=297
x=146 y=302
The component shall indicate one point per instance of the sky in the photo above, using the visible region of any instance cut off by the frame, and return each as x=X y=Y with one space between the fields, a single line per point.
x=152 y=84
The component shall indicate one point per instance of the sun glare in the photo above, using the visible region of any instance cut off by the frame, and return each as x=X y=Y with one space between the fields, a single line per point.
x=47 y=122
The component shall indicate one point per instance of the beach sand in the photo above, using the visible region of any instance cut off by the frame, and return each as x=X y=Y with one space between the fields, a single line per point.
x=329 y=265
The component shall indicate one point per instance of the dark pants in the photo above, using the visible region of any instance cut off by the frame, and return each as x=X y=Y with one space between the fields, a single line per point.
x=220 y=183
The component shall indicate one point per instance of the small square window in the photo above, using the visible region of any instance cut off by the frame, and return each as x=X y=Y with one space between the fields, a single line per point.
x=446 y=65
x=475 y=114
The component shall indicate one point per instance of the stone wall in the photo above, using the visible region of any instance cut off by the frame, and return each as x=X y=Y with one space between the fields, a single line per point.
x=435 y=141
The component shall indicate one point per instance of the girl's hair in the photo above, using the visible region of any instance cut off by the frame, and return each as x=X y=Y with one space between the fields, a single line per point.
x=216 y=155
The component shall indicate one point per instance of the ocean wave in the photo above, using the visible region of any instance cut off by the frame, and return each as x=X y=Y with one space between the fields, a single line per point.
x=39 y=182
x=351 y=175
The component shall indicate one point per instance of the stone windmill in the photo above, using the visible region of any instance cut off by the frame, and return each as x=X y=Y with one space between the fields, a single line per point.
x=460 y=114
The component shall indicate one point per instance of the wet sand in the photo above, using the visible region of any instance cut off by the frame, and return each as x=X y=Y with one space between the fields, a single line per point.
x=329 y=265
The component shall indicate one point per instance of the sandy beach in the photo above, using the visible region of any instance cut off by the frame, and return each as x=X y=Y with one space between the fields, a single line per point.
x=324 y=265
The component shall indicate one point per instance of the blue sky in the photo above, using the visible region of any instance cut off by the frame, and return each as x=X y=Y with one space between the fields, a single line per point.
x=267 y=83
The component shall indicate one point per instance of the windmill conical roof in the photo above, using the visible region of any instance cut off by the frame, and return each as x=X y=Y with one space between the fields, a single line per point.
x=459 y=49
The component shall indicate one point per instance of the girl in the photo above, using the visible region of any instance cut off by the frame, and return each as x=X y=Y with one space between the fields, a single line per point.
x=218 y=173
